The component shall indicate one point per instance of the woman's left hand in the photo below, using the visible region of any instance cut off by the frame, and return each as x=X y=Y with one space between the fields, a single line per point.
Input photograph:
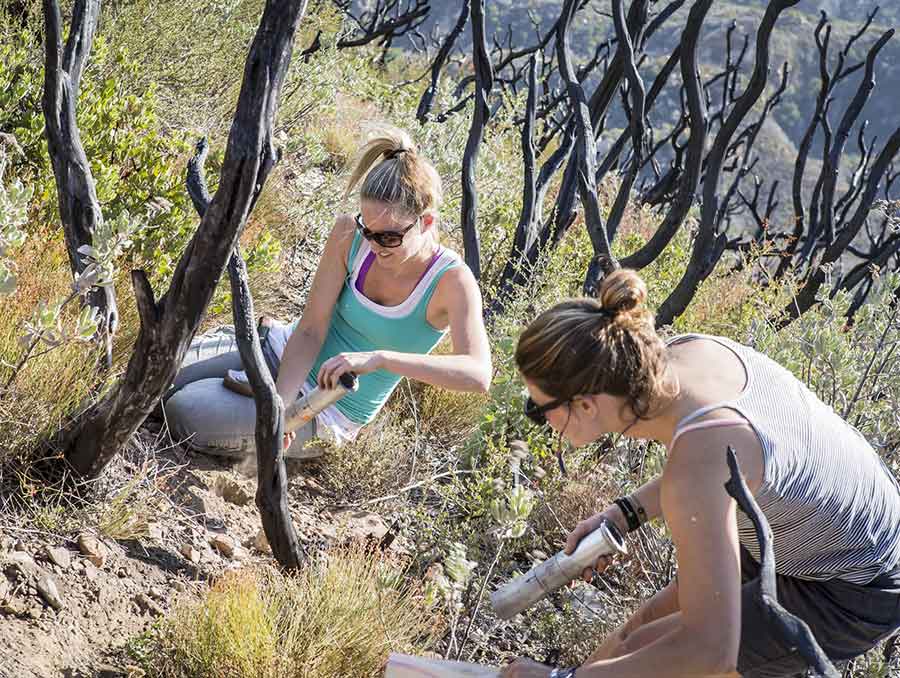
x=525 y=668
x=358 y=363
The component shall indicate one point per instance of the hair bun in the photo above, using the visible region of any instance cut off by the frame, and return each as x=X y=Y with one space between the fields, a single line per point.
x=622 y=291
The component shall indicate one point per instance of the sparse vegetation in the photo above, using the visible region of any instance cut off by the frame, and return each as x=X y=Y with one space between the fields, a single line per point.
x=339 y=617
x=438 y=463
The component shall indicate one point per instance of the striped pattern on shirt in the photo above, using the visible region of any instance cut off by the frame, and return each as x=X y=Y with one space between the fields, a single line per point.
x=832 y=503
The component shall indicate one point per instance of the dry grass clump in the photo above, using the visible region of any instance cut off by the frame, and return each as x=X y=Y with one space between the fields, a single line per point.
x=339 y=617
x=376 y=463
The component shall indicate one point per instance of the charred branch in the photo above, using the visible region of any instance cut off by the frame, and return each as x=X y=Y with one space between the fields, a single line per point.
x=690 y=175
x=272 y=482
x=483 y=84
x=526 y=230
x=806 y=297
x=708 y=244
x=585 y=156
x=831 y=165
x=79 y=209
x=168 y=325
x=385 y=22
x=637 y=122
x=427 y=100
x=828 y=80
x=763 y=592
x=271 y=494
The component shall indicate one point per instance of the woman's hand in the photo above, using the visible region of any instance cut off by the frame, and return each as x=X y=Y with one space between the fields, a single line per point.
x=358 y=363
x=611 y=513
x=525 y=668
x=289 y=437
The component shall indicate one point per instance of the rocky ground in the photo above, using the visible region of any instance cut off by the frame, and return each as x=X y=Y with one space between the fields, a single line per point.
x=69 y=604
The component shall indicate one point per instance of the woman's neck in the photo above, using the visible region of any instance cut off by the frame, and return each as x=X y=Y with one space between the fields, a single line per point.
x=663 y=423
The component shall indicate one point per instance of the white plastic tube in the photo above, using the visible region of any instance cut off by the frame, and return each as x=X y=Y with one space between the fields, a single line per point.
x=307 y=407
x=546 y=577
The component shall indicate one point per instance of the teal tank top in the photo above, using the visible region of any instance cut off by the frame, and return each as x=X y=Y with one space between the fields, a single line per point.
x=360 y=324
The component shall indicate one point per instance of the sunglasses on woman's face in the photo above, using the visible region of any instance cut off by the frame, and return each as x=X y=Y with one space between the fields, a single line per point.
x=389 y=239
x=538 y=413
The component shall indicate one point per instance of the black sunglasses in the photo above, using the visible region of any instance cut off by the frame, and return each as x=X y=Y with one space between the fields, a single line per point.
x=537 y=413
x=387 y=239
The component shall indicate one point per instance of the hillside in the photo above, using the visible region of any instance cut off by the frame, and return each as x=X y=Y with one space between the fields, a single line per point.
x=793 y=41
x=159 y=567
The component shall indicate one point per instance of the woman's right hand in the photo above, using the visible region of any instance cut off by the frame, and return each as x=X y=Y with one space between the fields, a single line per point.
x=611 y=513
x=289 y=437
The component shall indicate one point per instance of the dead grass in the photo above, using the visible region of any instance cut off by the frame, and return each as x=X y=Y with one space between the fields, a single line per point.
x=340 y=617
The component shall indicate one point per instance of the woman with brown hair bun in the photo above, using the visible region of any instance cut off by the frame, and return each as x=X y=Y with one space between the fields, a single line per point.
x=597 y=367
x=384 y=294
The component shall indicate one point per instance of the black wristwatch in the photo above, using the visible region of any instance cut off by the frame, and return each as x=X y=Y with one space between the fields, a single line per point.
x=567 y=672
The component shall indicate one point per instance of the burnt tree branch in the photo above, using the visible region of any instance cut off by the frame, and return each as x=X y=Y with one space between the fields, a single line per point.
x=637 y=122
x=806 y=297
x=427 y=100
x=763 y=592
x=708 y=244
x=272 y=484
x=585 y=157
x=168 y=325
x=526 y=230
x=484 y=82
x=79 y=209
x=690 y=175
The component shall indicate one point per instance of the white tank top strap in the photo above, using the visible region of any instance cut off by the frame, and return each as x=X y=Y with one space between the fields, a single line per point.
x=712 y=423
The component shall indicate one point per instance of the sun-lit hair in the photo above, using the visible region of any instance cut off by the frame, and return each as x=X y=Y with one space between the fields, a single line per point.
x=587 y=346
x=390 y=170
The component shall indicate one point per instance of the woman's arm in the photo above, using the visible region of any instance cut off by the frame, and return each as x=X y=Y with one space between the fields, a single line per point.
x=306 y=340
x=647 y=495
x=702 y=638
x=467 y=369
x=705 y=634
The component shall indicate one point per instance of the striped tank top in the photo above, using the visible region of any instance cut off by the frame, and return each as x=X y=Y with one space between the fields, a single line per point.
x=832 y=503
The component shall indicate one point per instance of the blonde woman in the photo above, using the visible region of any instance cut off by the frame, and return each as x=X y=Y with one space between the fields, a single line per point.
x=596 y=367
x=384 y=294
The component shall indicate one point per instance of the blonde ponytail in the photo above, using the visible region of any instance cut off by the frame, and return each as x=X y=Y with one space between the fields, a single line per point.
x=390 y=170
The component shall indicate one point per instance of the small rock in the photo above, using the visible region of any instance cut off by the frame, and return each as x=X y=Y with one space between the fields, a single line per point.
x=261 y=543
x=93 y=549
x=179 y=586
x=13 y=606
x=49 y=592
x=146 y=604
x=223 y=544
x=91 y=572
x=59 y=556
x=159 y=593
x=232 y=491
x=155 y=531
x=190 y=553
x=20 y=546
x=197 y=503
x=20 y=566
x=308 y=485
x=240 y=553
x=122 y=573
x=364 y=525
x=110 y=671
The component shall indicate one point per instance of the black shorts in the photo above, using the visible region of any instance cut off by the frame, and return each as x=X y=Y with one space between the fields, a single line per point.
x=846 y=619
